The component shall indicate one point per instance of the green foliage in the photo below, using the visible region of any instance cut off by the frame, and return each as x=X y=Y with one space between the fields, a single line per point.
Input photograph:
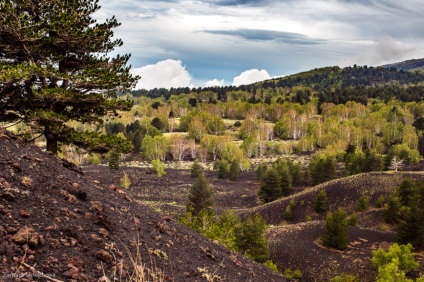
x=363 y=203
x=379 y=203
x=223 y=169
x=394 y=264
x=155 y=148
x=260 y=170
x=234 y=172
x=114 y=160
x=271 y=187
x=271 y=265
x=229 y=230
x=250 y=238
x=336 y=230
x=125 y=181
x=196 y=169
x=392 y=209
x=223 y=229
x=52 y=73
x=159 y=167
x=345 y=278
x=94 y=159
x=322 y=168
x=320 y=204
x=407 y=217
x=352 y=219
x=282 y=168
x=200 y=195
x=295 y=274
x=406 y=191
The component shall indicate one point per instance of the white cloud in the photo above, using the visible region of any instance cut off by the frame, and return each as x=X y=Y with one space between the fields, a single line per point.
x=214 y=82
x=251 y=76
x=164 y=74
x=386 y=50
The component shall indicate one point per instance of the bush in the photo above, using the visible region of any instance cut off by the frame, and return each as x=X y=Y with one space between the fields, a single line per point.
x=293 y=274
x=363 y=203
x=271 y=265
x=345 y=278
x=379 y=203
x=125 y=181
x=336 y=230
x=94 y=159
x=159 y=167
x=250 y=238
x=395 y=263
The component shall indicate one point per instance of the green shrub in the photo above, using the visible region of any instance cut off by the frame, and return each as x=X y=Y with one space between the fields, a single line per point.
x=125 y=181
x=94 y=159
x=293 y=274
x=363 y=203
x=345 y=278
x=250 y=238
x=353 y=219
x=159 y=167
x=271 y=265
x=379 y=203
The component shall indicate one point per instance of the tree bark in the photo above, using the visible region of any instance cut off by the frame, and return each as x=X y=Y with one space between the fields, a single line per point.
x=52 y=141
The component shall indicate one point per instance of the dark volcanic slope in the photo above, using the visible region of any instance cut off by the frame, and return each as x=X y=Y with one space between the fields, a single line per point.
x=74 y=228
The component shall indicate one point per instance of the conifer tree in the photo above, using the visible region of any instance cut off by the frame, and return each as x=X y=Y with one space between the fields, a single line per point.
x=200 y=196
x=320 y=204
x=196 y=169
x=234 y=172
x=271 y=186
x=114 y=160
x=56 y=69
x=336 y=230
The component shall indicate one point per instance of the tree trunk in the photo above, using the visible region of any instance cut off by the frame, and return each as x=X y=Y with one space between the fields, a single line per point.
x=52 y=141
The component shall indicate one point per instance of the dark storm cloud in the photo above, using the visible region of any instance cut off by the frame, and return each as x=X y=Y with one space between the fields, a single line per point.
x=269 y=35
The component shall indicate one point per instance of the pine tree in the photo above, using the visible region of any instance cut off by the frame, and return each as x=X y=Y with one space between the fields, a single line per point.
x=114 y=160
x=320 y=204
x=271 y=187
x=56 y=69
x=200 y=196
x=196 y=169
x=336 y=230
x=250 y=238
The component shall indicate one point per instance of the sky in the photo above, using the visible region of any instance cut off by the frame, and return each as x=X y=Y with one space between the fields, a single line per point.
x=198 y=43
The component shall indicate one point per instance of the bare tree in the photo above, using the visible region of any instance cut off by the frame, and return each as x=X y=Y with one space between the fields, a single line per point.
x=396 y=164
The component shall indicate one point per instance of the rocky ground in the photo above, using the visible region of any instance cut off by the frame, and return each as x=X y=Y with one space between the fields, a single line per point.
x=59 y=225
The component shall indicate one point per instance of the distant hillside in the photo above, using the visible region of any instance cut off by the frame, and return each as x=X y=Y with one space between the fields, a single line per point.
x=330 y=84
x=409 y=65
x=340 y=78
